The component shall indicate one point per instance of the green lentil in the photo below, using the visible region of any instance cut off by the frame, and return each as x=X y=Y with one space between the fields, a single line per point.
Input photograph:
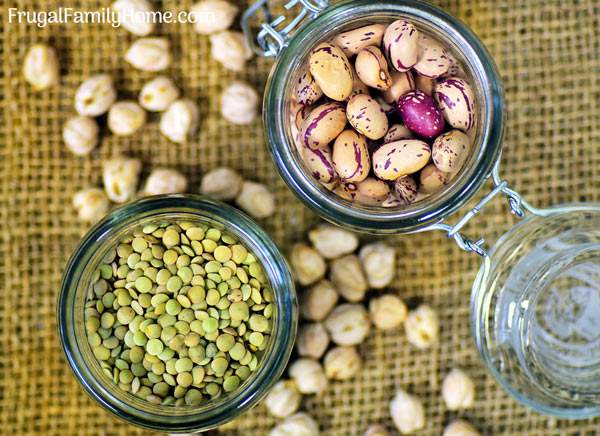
x=176 y=312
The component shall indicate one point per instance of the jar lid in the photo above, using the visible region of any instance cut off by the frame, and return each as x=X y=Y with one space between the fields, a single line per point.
x=535 y=310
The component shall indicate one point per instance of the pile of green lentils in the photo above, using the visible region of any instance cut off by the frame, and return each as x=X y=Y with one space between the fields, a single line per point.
x=178 y=313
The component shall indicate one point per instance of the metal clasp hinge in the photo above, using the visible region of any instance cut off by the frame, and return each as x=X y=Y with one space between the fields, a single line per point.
x=274 y=33
x=518 y=206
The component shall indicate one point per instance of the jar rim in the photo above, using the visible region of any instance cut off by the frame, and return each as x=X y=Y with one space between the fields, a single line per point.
x=272 y=363
x=363 y=219
x=481 y=297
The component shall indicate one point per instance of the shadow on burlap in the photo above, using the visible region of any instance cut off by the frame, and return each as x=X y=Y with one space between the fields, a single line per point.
x=548 y=53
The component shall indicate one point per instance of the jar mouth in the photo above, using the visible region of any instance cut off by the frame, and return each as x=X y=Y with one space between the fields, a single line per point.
x=529 y=311
x=487 y=139
x=87 y=370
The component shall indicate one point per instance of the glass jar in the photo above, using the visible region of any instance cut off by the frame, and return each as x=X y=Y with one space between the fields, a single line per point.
x=74 y=290
x=486 y=135
x=534 y=304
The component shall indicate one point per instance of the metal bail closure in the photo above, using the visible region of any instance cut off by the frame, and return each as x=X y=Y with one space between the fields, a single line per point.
x=518 y=207
x=274 y=33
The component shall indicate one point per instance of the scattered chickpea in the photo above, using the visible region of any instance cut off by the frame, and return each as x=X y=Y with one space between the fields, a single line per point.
x=300 y=424
x=231 y=49
x=332 y=241
x=95 y=95
x=342 y=363
x=239 y=103
x=180 y=120
x=460 y=427
x=91 y=204
x=348 y=278
x=387 y=311
x=458 y=390
x=256 y=199
x=40 y=67
x=312 y=340
x=80 y=135
x=308 y=265
x=125 y=118
x=165 y=181
x=407 y=412
x=319 y=300
x=308 y=375
x=131 y=16
x=422 y=326
x=157 y=94
x=222 y=184
x=348 y=324
x=377 y=430
x=212 y=16
x=283 y=399
x=149 y=54
x=121 y=176
x=379 y=263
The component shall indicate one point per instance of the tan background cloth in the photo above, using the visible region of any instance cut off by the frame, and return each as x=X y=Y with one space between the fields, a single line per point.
x=548 y=53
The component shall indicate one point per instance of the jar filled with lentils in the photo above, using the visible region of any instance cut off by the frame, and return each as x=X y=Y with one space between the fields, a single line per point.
x=177 y=313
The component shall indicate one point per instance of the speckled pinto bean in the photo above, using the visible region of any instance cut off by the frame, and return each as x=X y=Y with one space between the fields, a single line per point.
x=323 y=124
x=396 y=132
x=367 y=116
x=351 y=156
x=358 y=87
x=332 y=71
x=425 y=84
x=347 y=191
x=353 y=41
x=318 y=159
x=457 y=102
x=433 y=60
x=371 y=192
x=372 y=68
x=432 y=179
x=420 y=114
x=401 y=84
x=449 y=151
x=455 y=69
x=400 y=158
x=406 y=189
x=400 y=42
x=307 y=90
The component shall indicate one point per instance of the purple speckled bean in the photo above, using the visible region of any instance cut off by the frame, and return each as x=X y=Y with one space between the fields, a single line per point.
x=432 y=179
x=367 y=116
x=400 y=158
x=371 y=192
x=406 y=189
x=457 y=102
x=351 y=156
x=397 y=132
x=318 y=160
x=450 y=151
x=323 y=124
x=420 y=114
x=401 y=84
x=372 y=68
x=433 y=58
x=332 y=71
x=353 y=41
x=307 y=89
x=400 y=42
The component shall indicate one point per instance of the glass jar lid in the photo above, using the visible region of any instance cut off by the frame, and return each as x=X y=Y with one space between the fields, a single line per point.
x=535 y=310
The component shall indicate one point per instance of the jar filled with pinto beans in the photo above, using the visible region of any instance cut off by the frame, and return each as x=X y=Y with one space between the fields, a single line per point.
x=384 y=117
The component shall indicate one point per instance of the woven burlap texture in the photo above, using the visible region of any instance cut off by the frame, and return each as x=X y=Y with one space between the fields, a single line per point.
x=548 y=53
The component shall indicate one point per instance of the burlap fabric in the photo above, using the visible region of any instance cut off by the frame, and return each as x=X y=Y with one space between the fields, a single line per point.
x=548 y=53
